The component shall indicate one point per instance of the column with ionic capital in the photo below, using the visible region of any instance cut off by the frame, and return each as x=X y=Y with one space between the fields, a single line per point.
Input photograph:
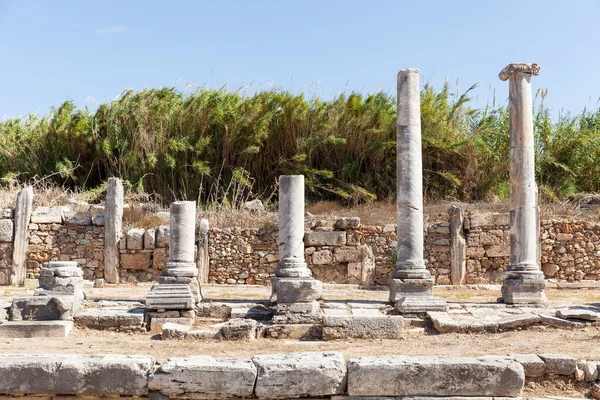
x=523 y=280
x=411 y=283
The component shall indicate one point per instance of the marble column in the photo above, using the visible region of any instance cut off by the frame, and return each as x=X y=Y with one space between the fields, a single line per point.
x=178 y=286
x=293 y=282
x=411 y=283
x=523 y=280
x=113 y=219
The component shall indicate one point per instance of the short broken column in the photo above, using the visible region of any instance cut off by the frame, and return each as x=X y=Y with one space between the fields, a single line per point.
x=178 y=287
x=294 y=288
x=411 y=283
x=523 y=280
x=22 y=215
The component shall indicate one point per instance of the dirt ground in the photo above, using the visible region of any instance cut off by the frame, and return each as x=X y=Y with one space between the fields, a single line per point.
x=582 y=344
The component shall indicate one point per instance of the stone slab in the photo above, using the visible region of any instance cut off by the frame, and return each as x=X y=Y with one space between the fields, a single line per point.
x=75 y=374
x=204 y=377
x=533 y=365
x=106 y=318
x=295 y=375
x=518 y=321
x=559 y=364
x=35 y=329
x=363 y=327
x=156 y=324
x=434 y=376
x=325 y=238
x=47 y=215
x=171 y=330
x=559 y=322
x=44 y=308
x=584 y=313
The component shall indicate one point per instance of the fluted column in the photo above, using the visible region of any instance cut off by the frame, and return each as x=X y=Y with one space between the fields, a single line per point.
x=411 y=282
x=523 y=281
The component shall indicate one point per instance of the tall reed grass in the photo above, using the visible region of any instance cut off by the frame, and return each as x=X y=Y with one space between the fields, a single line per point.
x=220 y=146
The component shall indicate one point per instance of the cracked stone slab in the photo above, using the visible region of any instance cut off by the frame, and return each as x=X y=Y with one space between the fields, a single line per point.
x=295 y=375
x=585 y=313
x=204 y=377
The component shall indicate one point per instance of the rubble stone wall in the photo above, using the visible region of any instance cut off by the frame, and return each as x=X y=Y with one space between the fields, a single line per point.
x=338 y=250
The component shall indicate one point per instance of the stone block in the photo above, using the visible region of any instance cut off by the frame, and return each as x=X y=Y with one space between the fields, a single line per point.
x=163 y=236
x=135 y=261
x=533 y=365
x=35 y=329
x=346 y=223
x=79 y=219
x=590 y=370
x=294 y=331
x=135 y=239
x=149 y=239
x=98 y=219
x=347 y=254
x=322 y=257
x=325 y=238
x=106 y=318
x=204 y=377
x=75 y=374
x=489 y=219
x=434 y=376
x=170 y=297
x=44 y=308
x=47 y=215
x=363 y=327
x=174 y=331
x=239 y=329
x=6 y=230
x=293 y=290
x=559 y=322
x=498 y=251
x=295 y=375
x=559 y=364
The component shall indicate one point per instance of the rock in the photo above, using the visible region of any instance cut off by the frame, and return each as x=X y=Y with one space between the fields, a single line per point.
x=79 y=219
x=322 y=257
x=43 y=308
x=478 y=220
x=6 y=230
x=239 y=329
x=533 y=365
x=579 y=375
x=295 y=375
x=585 y=313
x=434 y=376
x=135 y=239
x=325 y=239
x=375 y=327
x=204 y=377
x=343 y=224
x=255 y=206
x=595 y=390
x=559 y=364
x=110 y=318
x=519 y=320
x=294 y=331
x=214 y=310
x=550 y=269
x=347 y=254
x=47 y=215
x=174 y=331
x=99 y=283
x=75 y=374
x=590 y=370
x=559 y=322
x=163 y=236
x=157 y=324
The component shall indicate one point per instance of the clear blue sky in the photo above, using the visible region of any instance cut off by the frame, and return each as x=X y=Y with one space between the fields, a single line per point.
x=52 y=51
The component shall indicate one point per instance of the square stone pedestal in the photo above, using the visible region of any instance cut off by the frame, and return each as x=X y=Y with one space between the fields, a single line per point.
x=414 y=296
x=524 y=290
x=295 y=290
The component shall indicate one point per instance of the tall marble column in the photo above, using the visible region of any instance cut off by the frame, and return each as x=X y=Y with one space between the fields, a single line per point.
x=411 y=283
x=523 y=280
x=294 y=288
x=178 y=288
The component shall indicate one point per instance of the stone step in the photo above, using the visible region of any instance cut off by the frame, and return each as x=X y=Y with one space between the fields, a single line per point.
x=106 y=318
x=35 y=329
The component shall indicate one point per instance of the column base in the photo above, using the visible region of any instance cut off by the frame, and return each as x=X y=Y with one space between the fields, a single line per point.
x=414 y=296
x=170 y=297
x=523 y=290
x=182 y=273
x=295 y=290
x=298 y=313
